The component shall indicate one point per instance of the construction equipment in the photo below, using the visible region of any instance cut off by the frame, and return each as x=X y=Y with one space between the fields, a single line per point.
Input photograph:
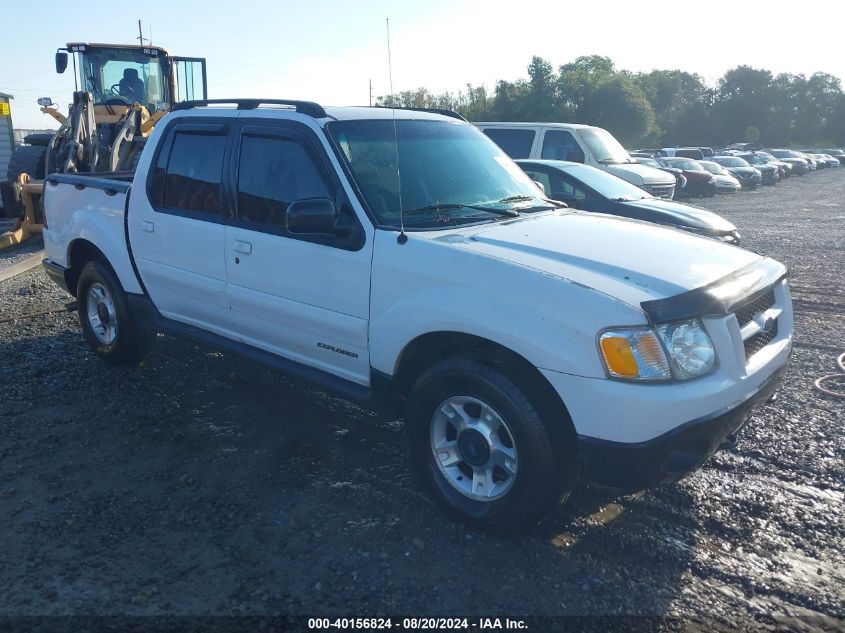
x=26 y=226
x=121 y=92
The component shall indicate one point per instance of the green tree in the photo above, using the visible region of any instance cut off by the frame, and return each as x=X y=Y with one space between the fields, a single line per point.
x=743 y=99
x=618 y=104
x=578 y=79
x=752 y=134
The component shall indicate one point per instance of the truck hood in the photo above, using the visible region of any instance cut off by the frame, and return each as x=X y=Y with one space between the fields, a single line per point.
x=629 y=260
x=640 y=174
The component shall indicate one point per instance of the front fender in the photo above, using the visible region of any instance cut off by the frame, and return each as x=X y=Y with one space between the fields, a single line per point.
x=425 y=286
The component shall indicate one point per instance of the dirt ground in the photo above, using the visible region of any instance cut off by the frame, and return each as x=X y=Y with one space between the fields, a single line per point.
x=198 y=484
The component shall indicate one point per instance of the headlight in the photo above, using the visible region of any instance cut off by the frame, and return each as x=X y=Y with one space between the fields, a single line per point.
x=690 y=348
x=637 y=353
x=634 y=354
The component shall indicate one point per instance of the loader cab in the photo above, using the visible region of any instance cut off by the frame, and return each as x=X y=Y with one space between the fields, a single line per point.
x=118 y=75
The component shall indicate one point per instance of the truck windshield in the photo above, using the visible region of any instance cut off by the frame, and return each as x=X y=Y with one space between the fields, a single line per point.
x=604 y=146
x=122 y=75
x=449 y=171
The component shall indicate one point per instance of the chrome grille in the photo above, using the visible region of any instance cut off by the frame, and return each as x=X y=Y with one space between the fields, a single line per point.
x=661 y=191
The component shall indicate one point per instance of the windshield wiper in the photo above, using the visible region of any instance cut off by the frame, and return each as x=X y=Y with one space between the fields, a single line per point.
x=511 y=213
x=516 y=199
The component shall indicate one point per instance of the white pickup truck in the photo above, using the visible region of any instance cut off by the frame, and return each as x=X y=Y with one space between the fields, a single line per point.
x=401 y=259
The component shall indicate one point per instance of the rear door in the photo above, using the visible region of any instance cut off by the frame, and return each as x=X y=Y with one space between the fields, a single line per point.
x=302 y=296
x=516 y=142
x=176 y=226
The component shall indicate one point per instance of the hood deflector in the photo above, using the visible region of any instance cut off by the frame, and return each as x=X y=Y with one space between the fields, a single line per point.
x=719 y=297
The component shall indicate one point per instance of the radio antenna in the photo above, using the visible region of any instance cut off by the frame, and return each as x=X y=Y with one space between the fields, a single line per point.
x=402 y=236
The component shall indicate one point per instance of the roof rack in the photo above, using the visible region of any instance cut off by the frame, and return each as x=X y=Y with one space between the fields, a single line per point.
x=308 y=108
x=443 y=111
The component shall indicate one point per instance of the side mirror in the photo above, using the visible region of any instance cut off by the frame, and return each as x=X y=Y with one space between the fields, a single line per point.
x=313 y=215
x=540 y=185
x=45 y=102
x=61 y=62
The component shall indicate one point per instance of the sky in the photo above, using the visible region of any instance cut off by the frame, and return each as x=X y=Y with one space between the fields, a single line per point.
x=328 y=50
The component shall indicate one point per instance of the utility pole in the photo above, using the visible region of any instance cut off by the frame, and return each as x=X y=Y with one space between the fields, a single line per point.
x=371 y=93
x=140 y=34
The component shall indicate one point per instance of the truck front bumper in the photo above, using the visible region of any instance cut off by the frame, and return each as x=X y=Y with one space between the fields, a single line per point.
x=641 y=465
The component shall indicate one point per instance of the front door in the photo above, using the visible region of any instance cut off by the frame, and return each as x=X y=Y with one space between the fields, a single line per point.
x=305 y=297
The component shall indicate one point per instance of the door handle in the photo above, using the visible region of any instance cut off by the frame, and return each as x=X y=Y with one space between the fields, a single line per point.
x=243 y=247
x=148 y=227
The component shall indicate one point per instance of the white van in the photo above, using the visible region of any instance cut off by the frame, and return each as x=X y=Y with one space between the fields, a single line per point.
x=581 y=144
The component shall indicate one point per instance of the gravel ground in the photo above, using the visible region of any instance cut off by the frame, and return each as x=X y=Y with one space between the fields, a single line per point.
x=11 y=256
x=200 y=484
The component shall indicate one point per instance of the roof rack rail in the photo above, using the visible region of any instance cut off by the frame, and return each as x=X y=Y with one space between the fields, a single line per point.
x=308 y=108
x=443 y=111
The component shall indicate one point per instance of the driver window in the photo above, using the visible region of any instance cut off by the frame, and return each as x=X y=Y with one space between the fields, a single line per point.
x=567 y=192
x=561 y=145
x=542 y=178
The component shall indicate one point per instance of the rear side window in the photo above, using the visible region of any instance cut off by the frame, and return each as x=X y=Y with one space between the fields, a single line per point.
x=515 y=143
x=188 y=172
x=561 y=145
x=272 y=173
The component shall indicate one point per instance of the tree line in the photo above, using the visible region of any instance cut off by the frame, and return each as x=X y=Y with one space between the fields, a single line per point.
x=663 y=108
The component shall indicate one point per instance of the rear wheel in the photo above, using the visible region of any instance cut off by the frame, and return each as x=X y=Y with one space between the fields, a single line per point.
x=483 y=450
x=106 y=321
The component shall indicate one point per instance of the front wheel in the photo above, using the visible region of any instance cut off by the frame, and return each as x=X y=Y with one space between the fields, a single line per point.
x=482 y=448
x=107 y=324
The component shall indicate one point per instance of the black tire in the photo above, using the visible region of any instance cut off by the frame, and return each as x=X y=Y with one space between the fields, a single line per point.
x=42 y=140
x=27 y=159
x=131 y=340
x=135 y=156
x=546 y=468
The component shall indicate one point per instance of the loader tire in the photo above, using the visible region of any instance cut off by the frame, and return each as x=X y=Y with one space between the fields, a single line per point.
x=40 y=139
x=28 y=159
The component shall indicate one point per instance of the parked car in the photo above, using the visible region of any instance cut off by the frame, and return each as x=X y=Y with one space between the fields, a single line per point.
x=652 y=152
x=838 y=154
x=744 y=147
x=827 y=159
x=528 y=346
x=784 y=168
x=680 y=179
x=690 y=152
x=747 y=176
x=769 y=173
x=590 y=189
x=725 y=183
x=811 y=162
x=580 y=144
x=799 y=165
x=700 y=182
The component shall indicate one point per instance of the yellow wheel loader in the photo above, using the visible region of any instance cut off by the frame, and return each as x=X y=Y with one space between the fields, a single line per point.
x=121 y=92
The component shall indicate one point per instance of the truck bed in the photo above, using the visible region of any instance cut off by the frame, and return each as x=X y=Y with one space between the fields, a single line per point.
x=89 y=207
